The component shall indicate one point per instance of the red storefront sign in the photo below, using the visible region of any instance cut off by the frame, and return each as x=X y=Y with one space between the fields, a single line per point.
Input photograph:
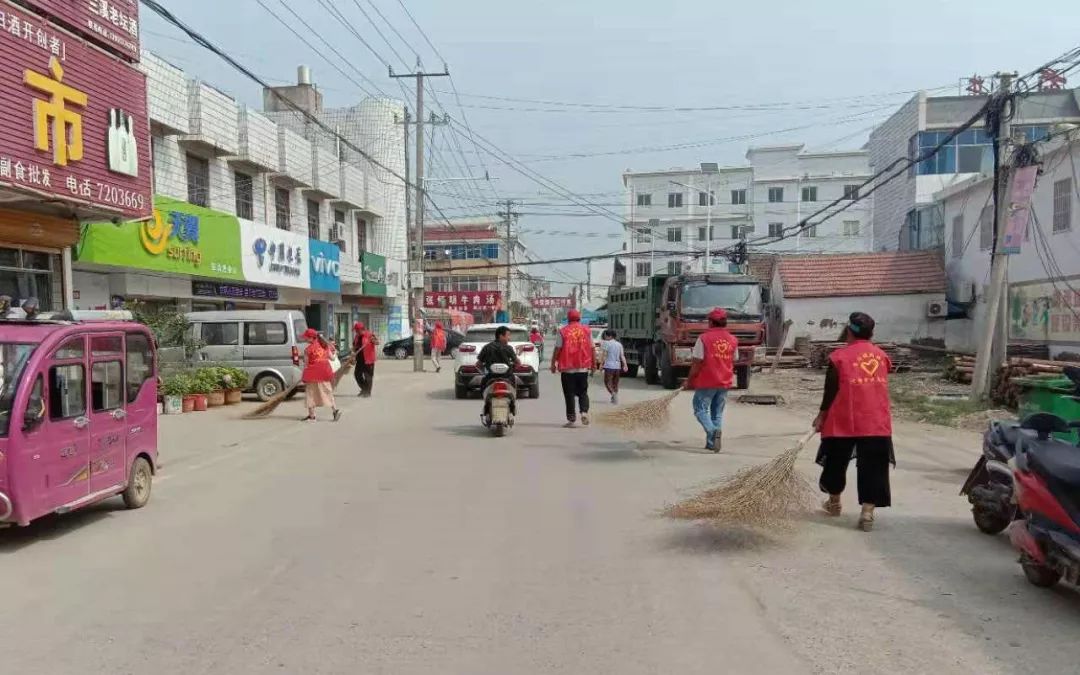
x=73 y=122
x=113 y=23
x=466 y=301
x=547 y=303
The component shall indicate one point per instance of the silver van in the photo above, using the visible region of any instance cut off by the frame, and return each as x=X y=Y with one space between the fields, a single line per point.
x=263 y=342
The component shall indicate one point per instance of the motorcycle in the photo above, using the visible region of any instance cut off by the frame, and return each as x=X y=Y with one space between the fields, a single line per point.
x=1046 y=475
x=989 y=486
x=500 y=399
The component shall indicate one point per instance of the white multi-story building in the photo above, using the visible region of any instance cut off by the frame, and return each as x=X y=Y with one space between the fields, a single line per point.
x=905 y=216
x=677 y=215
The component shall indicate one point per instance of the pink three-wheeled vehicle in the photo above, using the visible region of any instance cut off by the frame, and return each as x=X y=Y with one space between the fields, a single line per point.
x=78 y=414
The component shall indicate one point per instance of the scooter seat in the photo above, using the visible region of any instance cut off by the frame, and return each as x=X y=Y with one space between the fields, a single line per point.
x=1008 y=433
x=1056 y=460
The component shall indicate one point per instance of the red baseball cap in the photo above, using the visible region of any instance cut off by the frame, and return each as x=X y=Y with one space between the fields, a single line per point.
x=358 y=326
x=718 y=314
x=310 y=334
x=573 y=315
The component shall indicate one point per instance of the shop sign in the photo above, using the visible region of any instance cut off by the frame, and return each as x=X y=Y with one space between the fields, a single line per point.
x=180 y=238
x=211 y=289
x=395 y=322
x=547 y=303
x=1016 y=225
x=325 y=266
x=273 y=256
x=75 y=122
x=467 y=301
x=112 y=23
x=374 y=273
x=1045 y=312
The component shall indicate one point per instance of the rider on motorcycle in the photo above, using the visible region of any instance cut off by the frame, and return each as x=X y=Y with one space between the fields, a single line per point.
x=496 y=351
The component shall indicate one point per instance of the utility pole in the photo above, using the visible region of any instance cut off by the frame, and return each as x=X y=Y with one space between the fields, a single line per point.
x=588 y=280
x=416 y=282
x=509 y=255
x=985 y=360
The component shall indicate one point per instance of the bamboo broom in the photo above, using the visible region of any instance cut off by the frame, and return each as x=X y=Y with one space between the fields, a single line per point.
x=762 y=495
x=651 y=414
x=264 y=409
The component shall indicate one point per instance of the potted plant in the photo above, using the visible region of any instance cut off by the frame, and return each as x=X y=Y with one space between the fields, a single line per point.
x=184 y=384
x=235 y=381
x=174 y=388
x=213 y=378
x=201 y=386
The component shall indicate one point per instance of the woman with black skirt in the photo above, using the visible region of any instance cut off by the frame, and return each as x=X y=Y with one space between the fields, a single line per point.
x=856 y=421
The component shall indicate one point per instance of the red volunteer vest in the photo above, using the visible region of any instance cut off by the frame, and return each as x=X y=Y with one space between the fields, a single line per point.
x=318 y=368
x=438 y=339
x=577 y=347
x=718 y=366
x=861 y=406
x=366 y=346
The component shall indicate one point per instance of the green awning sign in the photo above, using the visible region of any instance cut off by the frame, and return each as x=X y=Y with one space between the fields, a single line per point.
x=374 y=273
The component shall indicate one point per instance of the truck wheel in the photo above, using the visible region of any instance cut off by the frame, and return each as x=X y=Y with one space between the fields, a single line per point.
x=651 y=374
x=631 y=370
x=742 y=377
x=667 y=372
x=137 y=492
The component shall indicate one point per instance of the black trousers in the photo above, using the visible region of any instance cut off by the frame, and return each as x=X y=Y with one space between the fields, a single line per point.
x=365 y=377
x=575 y=388
x=873 y=455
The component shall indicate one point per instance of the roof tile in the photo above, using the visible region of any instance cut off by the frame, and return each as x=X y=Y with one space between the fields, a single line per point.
x=861 y=274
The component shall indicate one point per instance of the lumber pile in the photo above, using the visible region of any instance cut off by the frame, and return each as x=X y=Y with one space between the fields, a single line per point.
x=900 y=355
x=788 y=359
x=1004 y=391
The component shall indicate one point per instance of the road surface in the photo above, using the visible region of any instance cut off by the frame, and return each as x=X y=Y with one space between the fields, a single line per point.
x=405 y=540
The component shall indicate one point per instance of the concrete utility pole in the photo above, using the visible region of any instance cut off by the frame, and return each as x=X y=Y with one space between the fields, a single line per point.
x=985 y=364
x=588 y=280
x=416 y=282
x=509 y=255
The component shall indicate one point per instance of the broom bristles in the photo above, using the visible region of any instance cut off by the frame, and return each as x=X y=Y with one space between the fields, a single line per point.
x=652 y=414
x=756 y=496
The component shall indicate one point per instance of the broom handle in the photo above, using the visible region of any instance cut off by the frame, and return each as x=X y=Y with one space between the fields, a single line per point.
x=806 y=439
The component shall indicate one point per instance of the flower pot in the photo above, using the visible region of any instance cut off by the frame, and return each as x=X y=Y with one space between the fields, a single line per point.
x=216 y=398
x=201 y=402
x=174 y=405
x=233 y=396
x=187 y=403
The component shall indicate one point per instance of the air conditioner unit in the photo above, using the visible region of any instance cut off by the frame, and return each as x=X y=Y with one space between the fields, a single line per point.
x=937 y=309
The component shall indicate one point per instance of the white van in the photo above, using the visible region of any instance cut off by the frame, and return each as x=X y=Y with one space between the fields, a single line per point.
x=263 y=342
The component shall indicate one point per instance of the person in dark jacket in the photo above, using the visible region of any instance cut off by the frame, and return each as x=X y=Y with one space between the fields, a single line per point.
x=856 y=421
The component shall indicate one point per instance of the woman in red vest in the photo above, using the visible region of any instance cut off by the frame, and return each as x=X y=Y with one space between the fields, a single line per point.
x=856 y=421
x=438 y=345
x=574 y=359
x=318 y=375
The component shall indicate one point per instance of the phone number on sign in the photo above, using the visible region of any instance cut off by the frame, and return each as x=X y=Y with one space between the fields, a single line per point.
x=107 y=194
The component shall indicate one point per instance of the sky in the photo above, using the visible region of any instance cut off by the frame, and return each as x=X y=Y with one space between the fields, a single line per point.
x=835 y=68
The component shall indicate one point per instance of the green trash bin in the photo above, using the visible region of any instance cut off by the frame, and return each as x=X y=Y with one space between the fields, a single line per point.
x=1051 y=394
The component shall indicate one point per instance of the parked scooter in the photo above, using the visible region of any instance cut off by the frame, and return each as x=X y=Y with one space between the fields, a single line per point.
x=1046 y=474
x=500 y=399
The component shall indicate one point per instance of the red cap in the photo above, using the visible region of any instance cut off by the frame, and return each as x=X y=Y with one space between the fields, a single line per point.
x=573 y=315
x=358 y=326
x=310 y=334
x=718 y=314
x=438 y=324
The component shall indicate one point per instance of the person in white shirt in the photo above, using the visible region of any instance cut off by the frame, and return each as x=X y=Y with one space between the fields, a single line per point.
x=614 y=362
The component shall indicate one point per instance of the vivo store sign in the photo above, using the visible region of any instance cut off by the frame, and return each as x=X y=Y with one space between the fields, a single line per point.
x=325 y=266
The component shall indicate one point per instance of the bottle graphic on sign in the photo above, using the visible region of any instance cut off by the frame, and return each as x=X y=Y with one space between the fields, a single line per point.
x=122 y=147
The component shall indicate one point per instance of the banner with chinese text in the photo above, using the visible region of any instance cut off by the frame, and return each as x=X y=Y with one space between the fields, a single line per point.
x=466 y=301
x=548 y=303
x=112 y=23
x=74 y=119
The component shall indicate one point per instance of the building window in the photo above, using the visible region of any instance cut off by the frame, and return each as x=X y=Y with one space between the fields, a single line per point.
x=674 y=200
x=738 y=197
x=706 y=199
x=703 y=236
x=282 y=208
x=986 y=227
x=776 y=195
x=811 y=231
x=245 y=195
x=809 y=194
x=674 y=268
x=361 y=236
x=740 y=231
x=674 y=234
x=776 y=229
x=643 y=235
x=969 y=152
x=958 y=236
x=29 y=274
x=1063 y=205
x=851 y=192
x=643 y=269
x=314 y=228
x=198 y=181
x=644 y=200
x=851 y=228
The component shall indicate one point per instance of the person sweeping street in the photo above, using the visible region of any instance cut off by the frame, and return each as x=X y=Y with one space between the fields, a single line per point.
x=856 y=421
x=712 y=369
x=364 y=344
x=613 y=362
x=438 y=345
x=574 y=359
x=318 y=375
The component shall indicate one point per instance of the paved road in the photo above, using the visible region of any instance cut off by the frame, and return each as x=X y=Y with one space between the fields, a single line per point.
x=404 y=540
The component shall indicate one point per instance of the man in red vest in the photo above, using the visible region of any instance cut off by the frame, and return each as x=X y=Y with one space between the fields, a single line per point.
x=856 y=421
x=364 y=343
x=712 y=369
x=573 y=357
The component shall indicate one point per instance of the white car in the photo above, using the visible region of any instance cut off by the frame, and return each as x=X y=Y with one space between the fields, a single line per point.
x=467 y=375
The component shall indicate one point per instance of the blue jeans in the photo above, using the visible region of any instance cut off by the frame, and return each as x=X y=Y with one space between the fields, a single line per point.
x=709 y=408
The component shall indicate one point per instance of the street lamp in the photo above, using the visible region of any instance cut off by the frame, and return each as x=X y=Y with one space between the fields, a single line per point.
x=709 y=169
